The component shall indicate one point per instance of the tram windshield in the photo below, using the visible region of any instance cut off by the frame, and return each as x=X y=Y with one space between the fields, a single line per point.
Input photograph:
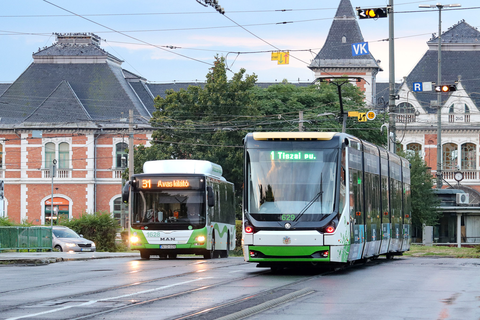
x=289 y=184
x=169 y=207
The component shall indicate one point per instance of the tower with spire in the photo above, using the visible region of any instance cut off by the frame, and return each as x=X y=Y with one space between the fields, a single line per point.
x=335 y=58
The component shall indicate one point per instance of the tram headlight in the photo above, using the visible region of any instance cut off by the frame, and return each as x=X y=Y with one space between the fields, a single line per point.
x=134 y=239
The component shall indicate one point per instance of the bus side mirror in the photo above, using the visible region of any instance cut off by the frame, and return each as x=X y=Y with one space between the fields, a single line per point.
x=210 y=197
x=126 y=192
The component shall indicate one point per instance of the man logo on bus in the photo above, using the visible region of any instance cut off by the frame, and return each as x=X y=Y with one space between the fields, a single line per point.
x=287 y=240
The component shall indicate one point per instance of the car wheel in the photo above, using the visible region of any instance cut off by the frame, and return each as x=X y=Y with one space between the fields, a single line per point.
x=59 y=248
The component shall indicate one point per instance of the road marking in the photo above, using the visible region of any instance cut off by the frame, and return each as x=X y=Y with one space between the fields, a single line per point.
x=106 y=299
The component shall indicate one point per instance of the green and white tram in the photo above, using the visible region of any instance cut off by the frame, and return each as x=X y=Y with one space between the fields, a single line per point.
x=322 y=197
x=181 y=207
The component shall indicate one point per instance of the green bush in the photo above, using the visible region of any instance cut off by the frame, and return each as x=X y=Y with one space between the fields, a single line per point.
x=5 y=222
x=238 y=243
x=99 y=227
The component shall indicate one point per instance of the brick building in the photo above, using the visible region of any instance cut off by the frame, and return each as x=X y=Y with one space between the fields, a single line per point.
x=71 y=105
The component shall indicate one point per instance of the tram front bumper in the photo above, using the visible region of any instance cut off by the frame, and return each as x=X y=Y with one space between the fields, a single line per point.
x=284 y=254
x=305 y=245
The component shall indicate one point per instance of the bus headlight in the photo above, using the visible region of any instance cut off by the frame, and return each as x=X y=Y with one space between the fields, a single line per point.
x=134 y=239
x=200 y=239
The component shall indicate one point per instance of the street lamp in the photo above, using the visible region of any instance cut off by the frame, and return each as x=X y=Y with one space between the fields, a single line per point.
x=439 y=81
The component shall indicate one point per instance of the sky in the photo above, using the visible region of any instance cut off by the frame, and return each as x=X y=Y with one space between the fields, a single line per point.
x=177 y=40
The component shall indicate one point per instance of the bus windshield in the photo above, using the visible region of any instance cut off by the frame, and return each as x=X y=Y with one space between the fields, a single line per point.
x=291 y=183
x=172 y=207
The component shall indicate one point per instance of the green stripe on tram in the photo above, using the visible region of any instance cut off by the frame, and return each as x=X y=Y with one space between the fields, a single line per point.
x=286 y=252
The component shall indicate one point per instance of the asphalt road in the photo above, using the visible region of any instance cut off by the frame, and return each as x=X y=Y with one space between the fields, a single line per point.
x=190 y=288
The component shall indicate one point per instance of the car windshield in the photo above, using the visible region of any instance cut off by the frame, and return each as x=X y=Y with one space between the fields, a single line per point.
x=65 y=233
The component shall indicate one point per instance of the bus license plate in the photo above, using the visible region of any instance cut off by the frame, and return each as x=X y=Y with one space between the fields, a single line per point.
x=168 y=246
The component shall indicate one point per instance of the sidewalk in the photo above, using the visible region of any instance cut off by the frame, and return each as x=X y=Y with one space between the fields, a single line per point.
x=52 y=257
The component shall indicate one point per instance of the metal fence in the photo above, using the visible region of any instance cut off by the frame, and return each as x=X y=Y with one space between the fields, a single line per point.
x=30 y=238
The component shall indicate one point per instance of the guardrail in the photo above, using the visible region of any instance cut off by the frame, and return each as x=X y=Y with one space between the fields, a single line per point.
x=29 y=238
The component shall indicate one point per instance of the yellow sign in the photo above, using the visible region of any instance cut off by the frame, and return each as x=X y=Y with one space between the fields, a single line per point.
x=281 y=57
x=371 y=115
x=362 y=117
x=353 y=114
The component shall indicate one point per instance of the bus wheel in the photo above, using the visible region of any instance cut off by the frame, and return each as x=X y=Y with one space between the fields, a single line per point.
x=144 y=255
x=211 y=253
x=226 y=253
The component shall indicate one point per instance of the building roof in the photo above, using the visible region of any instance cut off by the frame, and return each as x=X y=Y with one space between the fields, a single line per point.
x=64 y=93
x=3 y=87
x=61 y=106
x=458 y=62
x=461 y=32
x=337 y=50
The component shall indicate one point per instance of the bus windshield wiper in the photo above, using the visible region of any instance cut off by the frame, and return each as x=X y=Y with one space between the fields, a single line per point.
x=315 y=198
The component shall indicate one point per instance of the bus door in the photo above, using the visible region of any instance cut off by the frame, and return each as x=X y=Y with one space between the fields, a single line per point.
x=357 y=225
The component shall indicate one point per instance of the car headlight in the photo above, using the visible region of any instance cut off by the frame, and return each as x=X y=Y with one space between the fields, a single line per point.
x=69 y=244
x=93 y=244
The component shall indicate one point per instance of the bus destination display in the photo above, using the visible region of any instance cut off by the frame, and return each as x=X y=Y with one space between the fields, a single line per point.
x=168 y=183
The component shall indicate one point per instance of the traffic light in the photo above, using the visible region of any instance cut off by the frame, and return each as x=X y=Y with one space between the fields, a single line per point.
x=372 y=13
x=446 y=88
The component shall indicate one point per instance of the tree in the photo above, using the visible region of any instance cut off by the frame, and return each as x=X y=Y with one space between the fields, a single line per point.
x=204 y=123
x=424 y=201
x=281 y=103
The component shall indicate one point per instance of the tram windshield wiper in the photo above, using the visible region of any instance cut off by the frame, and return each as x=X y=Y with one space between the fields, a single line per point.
x=315 y=198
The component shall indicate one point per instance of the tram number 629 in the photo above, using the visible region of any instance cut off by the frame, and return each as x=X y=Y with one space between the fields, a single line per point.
x=288 y=217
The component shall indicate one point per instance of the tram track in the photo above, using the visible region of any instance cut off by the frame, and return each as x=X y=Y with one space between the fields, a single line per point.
x=109 y=289
x=248 y=302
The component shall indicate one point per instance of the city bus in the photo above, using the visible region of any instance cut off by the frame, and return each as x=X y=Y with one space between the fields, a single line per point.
x=322 y=198
x=181 y=207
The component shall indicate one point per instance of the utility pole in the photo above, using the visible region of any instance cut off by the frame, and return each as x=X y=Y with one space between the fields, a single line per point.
x=130 y=167
x=53 y=170
x=439 y=93
x=391 y=80
x=300 y=121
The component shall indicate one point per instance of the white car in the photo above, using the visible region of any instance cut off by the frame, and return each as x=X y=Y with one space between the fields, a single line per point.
x=65 y=239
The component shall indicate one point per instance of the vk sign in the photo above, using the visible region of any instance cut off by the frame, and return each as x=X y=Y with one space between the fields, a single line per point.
x=359 y=49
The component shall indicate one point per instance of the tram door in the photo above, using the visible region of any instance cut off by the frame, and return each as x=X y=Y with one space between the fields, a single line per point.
x=357 y=226
x=385 y=213
x=372 y=200
x=396 y=203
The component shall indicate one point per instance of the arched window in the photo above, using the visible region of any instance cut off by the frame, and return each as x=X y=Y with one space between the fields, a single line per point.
x=63 y=155
x=451 y=114
x=413 y=148
x=1 y=156
x=120 y=153
x=399 y=147
x=117 y=210
x=468 y=156
x=467 y=114
x=405 y=112
x=450 y=156
x=49 y=154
